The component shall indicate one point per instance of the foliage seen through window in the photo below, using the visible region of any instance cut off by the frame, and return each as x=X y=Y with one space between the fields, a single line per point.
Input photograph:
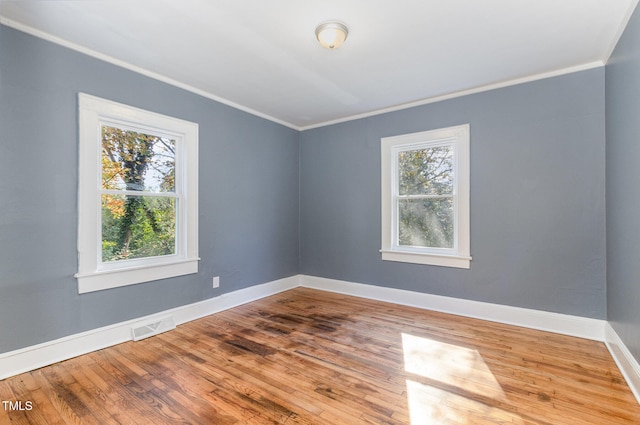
x=425 y=201
x=138 y=195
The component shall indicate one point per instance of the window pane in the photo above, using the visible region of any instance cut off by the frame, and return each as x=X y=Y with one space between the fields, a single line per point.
x=137 y=227
x=426 y=222
x=137 y=161
x=426 y=171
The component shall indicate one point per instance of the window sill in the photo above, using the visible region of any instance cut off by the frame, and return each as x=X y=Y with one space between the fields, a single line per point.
x=107 y=279
x=429 y=259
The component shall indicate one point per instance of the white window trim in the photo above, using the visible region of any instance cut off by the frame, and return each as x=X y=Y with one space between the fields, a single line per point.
x=93 y=275
x=460 y=255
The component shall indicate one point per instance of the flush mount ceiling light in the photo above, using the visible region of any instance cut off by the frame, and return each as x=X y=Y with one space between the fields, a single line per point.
x=331 y=34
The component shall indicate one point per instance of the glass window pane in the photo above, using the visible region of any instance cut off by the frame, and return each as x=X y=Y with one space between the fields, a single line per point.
x=426 y=171
x=137 y=161
x=426 y=222
x=137 y=227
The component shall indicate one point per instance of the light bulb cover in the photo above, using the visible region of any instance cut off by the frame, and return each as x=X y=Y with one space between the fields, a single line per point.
x=332 y=34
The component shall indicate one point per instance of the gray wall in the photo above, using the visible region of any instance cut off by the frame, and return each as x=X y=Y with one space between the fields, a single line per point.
x=537 y=197
x=248 y=194
x=623 y=187
x=537 y=203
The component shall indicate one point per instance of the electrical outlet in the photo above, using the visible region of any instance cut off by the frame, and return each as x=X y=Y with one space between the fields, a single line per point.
x=216 y=281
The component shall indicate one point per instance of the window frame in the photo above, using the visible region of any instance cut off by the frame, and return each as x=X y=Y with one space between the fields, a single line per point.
x=459 y=256
x=93 y=274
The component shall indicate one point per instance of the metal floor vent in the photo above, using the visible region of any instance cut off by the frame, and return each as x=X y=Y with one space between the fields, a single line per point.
x=151 y=329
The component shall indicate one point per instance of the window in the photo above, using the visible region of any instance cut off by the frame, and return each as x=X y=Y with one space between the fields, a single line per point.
x=425 y=197
x=137 y=196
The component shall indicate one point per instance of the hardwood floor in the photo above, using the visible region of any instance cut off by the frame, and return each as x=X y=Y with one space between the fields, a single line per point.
x=311 y=357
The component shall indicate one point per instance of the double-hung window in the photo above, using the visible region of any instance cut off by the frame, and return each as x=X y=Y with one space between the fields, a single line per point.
x=425 y=197
x=137 y=195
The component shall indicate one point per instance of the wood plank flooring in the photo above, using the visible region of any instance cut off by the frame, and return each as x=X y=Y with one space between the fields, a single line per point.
x=312 y=357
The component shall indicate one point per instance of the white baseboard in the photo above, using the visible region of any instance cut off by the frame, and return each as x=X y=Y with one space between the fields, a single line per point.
x=627 y=364
x=582 y=327
x=30 y=358
x=36 y=356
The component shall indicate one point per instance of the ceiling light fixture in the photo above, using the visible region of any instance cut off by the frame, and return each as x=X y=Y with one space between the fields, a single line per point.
x=331 y=34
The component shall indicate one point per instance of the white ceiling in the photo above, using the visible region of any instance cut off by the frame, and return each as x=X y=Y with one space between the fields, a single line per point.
x=262 y=56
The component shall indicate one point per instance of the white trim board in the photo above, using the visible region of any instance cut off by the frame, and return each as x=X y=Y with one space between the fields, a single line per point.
x=139 y=70
x=36 y=356
x=581 y=327
x=33 y=357
x=627 y=364
x=151 y=74
x=461 y=93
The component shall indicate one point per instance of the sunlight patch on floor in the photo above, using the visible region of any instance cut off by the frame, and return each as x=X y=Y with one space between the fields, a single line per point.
x=462 y=381
x=433 y=406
